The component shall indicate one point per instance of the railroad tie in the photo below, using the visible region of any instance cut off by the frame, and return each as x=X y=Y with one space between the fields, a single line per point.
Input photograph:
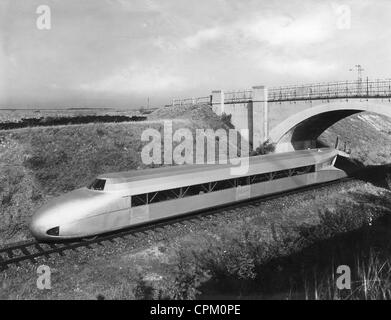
x=41 y=250
x=27 y=253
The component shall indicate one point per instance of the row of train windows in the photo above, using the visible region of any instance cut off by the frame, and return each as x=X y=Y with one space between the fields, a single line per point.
x=171 y=194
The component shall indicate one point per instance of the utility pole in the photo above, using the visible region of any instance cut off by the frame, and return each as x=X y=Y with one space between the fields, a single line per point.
x=359 y=70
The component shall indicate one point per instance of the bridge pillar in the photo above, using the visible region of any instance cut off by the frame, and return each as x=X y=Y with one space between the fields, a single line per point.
x=259 y=115
x=218 y=102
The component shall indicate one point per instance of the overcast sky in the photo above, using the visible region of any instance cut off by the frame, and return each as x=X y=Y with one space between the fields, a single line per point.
x=117 y=53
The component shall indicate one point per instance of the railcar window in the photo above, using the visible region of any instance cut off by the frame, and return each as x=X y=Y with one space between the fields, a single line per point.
x=139 y=200
x=97 y=184
x=225 y=184
x=281 y=174
x=303 y=170
x=244 y=181
x=259 y=178
x=194 y=190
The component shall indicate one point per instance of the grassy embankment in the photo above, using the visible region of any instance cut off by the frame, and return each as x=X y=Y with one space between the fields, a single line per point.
x=39 y=163
x=367 y=135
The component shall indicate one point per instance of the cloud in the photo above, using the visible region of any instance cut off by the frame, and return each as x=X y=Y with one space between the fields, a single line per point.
x=202 y=37
x=136 y=5
x=299 y=67
x=138 y=80
x=274 y=30
x=99 y=49
x=285 y=30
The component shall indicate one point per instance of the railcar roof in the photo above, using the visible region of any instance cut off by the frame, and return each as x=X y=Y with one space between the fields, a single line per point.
x=183 y=175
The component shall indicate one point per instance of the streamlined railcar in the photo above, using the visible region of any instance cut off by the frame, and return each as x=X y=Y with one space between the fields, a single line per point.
x=119 y=200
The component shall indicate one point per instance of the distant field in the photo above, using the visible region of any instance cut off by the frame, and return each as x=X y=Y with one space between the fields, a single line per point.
x=58 y=121
x=14 y=115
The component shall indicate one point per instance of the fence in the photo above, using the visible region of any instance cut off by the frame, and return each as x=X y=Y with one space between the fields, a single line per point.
x=192 y=101
x=238 y=96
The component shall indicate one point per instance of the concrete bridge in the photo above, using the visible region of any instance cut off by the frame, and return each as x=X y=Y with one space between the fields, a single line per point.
x=293 y=117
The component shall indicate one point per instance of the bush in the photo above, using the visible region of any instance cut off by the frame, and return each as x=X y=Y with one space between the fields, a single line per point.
x=185 y=278
x=143 y=290
x=227 y=120
x=264 y=148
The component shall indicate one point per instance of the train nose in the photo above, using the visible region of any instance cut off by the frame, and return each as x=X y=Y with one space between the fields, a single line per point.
x=42 y=224
x=50 y=221
x=37 y=227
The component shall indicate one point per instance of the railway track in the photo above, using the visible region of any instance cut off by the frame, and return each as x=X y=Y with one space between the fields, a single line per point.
x=30 y=250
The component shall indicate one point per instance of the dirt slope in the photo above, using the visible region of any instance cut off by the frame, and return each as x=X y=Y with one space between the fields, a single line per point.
x=367 y=135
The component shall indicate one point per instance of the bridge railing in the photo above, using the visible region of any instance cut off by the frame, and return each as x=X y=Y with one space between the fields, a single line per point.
x=380 y=88
x=229 y=98
x=238 y=96
x=333 y=90
x=192 y=101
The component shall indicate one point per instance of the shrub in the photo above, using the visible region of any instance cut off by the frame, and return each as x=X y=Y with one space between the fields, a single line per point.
x=143 y=290
x=185 y=278
x=346 y=217
x=264 y=148
x=227 y=120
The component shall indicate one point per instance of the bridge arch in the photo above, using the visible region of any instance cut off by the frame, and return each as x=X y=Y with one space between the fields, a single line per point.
x=307 y=125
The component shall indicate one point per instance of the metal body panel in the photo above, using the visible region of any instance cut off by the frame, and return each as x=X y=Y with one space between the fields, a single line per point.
x=92 y=225
x=243 y=192
x=139 y=215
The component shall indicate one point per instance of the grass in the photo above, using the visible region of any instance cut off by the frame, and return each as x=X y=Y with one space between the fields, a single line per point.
x=367 y=137
x=237 y=260
x=370 y=275
x=202 y=116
